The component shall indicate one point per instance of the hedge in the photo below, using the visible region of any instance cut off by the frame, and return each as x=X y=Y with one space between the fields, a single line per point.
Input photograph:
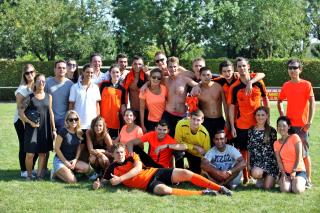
x=275 y=70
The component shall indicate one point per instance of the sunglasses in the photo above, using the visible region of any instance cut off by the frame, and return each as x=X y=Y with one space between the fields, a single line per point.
x=72 y=65
x=161 y=59
x=156 y=77
x=73 y=119
x=28 y=73
x=293 y=67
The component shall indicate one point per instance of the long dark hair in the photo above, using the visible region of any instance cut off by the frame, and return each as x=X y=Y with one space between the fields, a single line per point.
x=76 y=72
x=267 y=127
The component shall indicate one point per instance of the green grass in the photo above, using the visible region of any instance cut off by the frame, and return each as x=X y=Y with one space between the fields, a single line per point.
x=17 y=195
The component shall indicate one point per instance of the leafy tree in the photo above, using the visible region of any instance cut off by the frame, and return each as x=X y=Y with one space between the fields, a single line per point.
x=259 y=28
x=173 y=25
x=50 y=29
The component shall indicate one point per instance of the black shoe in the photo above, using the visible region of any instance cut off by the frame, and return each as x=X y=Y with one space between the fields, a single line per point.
x=210 y=192
x=225 y=191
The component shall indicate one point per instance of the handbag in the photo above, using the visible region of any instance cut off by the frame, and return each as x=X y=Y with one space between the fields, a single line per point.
x=31 y=111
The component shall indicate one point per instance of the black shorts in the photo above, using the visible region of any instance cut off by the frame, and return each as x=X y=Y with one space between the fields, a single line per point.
x=162 y=176
x=213 y=125
x=241 y=141
x=172 y=121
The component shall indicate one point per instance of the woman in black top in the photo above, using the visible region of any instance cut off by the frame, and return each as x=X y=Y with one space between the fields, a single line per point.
x=68 y=150
x=39 y=137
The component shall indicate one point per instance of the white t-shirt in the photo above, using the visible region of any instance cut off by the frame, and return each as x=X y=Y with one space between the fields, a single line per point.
x=25 y=92
x=85 y=101
x=223 y=160
x=100 y=78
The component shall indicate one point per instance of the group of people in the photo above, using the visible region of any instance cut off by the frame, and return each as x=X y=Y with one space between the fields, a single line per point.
x=100 y=121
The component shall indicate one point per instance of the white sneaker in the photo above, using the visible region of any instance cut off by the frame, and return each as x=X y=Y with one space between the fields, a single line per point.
x=52 y=176
x=94 y=176
x=24 y=174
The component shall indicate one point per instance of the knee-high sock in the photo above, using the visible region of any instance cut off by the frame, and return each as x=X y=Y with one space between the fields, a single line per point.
x=203 y=182
x=244 y=154
x=183 y=192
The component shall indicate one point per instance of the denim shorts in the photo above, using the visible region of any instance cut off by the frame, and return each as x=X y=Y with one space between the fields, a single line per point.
x=57 y=164
x=300 y=174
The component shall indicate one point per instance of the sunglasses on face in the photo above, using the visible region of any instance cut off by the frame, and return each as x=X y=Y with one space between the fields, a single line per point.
x=28 y=73
x=72 y=65
x=73 y=119
x=293 y=67
x=156 y=77
x=158 y=60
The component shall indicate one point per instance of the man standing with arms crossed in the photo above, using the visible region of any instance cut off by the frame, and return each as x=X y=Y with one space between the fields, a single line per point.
x=300 y=107
x=247 y=103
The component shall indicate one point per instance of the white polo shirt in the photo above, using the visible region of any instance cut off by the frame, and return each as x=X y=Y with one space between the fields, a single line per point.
x=85 y=102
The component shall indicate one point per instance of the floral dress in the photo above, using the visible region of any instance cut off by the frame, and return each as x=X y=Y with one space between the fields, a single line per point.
x=261 y=151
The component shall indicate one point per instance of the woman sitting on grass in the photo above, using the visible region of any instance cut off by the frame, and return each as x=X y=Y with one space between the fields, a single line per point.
x=288 y=151
x=262 y=162
x=130 y=130
x=67 y=148
x=99 y=144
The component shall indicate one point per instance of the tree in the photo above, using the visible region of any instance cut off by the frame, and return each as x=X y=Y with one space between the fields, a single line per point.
x=49 y=28
x=173 y=25
x=259 y=28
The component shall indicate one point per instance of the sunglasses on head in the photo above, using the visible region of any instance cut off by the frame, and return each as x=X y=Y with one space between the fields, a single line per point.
x=73 y=119
x=156 y=77
x=158 y=60
x=30 y=72
x=293 y=67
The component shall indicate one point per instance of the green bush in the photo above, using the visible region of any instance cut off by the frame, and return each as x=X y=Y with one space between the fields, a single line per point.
x=275 y=70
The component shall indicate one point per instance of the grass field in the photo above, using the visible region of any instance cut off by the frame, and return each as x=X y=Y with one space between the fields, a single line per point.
x=17 y=195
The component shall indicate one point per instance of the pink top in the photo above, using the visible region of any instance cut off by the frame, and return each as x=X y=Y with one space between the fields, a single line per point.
x=125 y=136
x=155 y=103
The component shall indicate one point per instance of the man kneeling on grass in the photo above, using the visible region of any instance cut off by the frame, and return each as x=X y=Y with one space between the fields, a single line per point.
x=129 y=171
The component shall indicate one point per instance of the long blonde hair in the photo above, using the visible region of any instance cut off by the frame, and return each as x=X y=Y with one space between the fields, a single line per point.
x=78 y=131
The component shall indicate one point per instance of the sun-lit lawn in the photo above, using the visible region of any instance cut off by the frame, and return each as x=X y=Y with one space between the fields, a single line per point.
x=17 y=195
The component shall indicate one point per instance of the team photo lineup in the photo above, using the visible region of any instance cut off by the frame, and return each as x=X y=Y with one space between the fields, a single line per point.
x=211 y=130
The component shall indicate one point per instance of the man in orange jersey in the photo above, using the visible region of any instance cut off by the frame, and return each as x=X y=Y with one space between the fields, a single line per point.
x=247 y=103
x=300 y=107
x=161 y=146
x=129 y=171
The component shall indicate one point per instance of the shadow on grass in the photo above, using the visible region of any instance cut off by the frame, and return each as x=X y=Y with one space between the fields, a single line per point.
x=10 y=175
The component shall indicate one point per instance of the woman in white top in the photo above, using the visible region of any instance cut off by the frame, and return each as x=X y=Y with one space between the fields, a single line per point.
x=23 y=91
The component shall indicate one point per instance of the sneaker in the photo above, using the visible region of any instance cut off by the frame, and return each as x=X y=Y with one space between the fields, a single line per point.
x=94 y=176
x=52 y=174
x=308 y=185
x=225 y=191
x=210 y=192
x=260 y=183
x=24 y=174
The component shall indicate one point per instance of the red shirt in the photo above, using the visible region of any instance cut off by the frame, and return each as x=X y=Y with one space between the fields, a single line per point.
x=297 y=96
x=165 y=156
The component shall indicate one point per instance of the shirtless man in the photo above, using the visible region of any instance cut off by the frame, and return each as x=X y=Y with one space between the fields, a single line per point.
x=211 y=99
x=177 y=91
x=135 y=79
x=161 y=61
x=122 y=61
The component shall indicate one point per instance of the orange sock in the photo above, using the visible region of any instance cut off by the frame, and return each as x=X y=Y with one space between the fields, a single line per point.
x=244 y=154
x=183 y=192
x=203 y=182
